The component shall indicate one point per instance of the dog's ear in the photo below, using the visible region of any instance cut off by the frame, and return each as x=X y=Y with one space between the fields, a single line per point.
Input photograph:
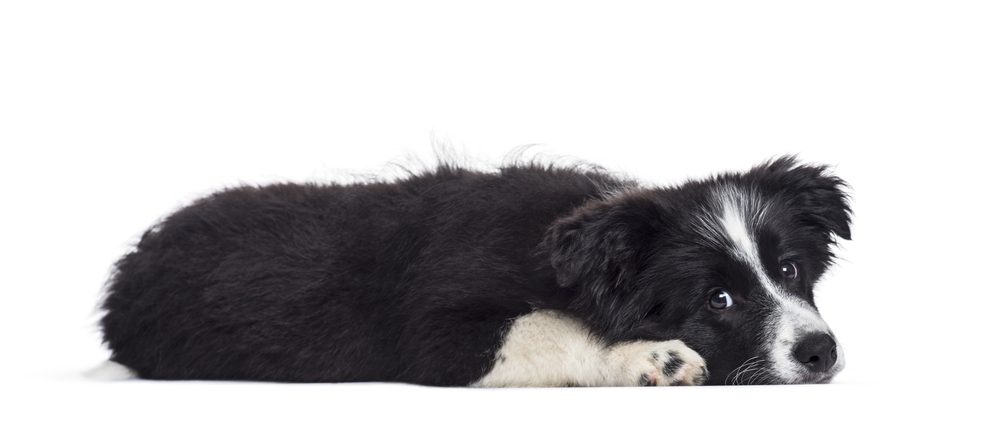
x=820 y=196
x=598 y=251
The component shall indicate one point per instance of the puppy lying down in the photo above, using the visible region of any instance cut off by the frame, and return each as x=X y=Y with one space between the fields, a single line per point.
x=532 y=275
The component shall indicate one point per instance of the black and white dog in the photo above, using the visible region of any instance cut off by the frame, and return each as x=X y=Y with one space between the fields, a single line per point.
x=531 y=276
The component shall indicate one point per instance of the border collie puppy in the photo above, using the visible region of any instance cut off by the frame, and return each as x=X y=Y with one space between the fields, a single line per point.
x=531 y=276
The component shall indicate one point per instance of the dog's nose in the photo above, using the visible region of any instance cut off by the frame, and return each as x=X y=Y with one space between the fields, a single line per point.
x=817 y=351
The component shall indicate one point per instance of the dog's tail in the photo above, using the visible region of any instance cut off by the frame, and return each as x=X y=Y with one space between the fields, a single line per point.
x=110 y=371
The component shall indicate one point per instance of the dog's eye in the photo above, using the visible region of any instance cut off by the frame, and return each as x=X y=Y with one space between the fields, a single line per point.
x=789 y=270
x=720 y=300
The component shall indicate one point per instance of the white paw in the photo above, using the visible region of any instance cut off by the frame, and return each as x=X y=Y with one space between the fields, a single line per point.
x=669 y=363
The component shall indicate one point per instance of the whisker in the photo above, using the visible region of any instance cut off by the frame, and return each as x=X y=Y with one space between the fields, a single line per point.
x=737 y=370
x=754 y=378
x=737 y=375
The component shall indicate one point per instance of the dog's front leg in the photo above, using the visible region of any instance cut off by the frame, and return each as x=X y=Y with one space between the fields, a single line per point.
x=549 y=348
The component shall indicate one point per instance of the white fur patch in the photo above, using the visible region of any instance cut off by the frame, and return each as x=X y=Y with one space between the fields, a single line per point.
x=547 y=348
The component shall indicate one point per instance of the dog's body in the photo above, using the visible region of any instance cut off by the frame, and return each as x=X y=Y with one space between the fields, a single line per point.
x=533 y=276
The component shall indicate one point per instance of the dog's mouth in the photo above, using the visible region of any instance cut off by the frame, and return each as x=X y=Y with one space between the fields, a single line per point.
x=822 y=380
x=814 y=378
x=760 y=370
x=751 y=376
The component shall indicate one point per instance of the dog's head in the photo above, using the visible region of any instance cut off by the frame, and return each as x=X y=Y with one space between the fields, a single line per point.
x=726 y=265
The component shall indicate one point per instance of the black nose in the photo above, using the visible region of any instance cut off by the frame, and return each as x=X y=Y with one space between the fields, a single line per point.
x=817 y=351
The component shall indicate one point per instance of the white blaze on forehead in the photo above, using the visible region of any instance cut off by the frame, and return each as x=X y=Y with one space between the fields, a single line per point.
x=735 y=225
x=738 y=214
x=735 y=210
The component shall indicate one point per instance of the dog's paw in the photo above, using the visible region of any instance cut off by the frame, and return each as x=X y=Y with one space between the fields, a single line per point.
x=669 y=363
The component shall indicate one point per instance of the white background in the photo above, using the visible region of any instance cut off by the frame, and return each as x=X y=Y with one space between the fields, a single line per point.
x=113 y=114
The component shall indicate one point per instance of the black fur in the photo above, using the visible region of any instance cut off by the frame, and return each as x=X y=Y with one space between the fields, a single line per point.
x=415 y=280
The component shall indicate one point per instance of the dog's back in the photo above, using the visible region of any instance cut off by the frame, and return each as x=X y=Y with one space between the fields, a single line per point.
x=366 y=282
